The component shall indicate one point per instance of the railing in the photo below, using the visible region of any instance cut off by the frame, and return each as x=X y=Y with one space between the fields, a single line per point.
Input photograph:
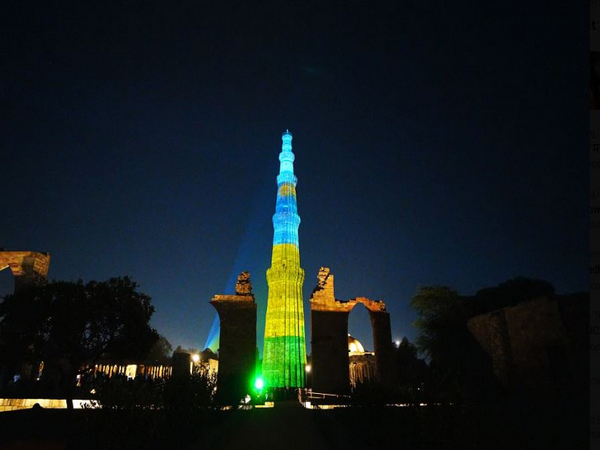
x=308 y=394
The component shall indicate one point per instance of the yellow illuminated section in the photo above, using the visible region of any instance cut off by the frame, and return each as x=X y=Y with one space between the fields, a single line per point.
x=286 y=190
x=285 y=343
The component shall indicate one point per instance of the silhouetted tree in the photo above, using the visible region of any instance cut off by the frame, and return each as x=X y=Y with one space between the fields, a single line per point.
x=410 y=370
x=161 y=350
x=67 y=324
x=190 y=350
x=460 y=368
x=411 y=373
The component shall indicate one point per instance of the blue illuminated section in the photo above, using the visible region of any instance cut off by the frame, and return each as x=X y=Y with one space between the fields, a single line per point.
x=286 y=220
x=213 y=340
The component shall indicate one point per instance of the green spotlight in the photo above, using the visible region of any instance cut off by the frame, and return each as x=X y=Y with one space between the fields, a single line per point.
x=259 y=384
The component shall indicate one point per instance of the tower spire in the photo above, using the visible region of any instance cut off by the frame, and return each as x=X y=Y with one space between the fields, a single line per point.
x=286 y=157
x=285 y=343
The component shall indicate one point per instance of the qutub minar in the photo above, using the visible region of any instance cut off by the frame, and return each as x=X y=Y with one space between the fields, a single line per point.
x=285 y=344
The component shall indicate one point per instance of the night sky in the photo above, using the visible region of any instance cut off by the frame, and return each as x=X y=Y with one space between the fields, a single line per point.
x=434 y=145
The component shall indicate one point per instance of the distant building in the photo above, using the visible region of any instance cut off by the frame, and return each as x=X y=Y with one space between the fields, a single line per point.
x=206 y=363
x=147 y=370
x=362 y=363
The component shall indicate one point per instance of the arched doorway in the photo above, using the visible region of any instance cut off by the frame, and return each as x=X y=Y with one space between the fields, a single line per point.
x=329 y=337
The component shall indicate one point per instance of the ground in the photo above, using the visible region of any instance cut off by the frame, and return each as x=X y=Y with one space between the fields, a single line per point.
x=291 y=427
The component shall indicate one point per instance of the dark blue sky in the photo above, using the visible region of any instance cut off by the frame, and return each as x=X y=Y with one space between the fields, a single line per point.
x=434 y=145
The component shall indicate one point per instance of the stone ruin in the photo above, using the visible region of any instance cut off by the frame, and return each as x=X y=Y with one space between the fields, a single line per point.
x=329 y=337
x=237 y=347
x=27 y=267
x=243 y=286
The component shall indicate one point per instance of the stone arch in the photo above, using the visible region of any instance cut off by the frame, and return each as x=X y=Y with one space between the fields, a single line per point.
x=27 y=267
x=329 y=336
x=7 y=283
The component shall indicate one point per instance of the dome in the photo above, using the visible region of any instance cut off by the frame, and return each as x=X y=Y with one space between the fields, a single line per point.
x=354 y=345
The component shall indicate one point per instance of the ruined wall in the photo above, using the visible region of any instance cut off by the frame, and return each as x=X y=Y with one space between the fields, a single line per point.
x=237 y=351
x=181 y=363
x=382 y=344
x=329 y=344
x=329 y=337
x=528 y=343
x=26 y=267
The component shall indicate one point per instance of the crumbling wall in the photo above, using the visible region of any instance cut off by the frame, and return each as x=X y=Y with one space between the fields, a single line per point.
x=329 y=336
x=528 y=343
x=329 y=344
x=382 y=345
x=237 y=348
x=27 y=267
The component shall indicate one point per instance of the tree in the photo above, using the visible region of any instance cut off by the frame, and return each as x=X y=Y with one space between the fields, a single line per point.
x=161 y=350
x=441 y=317
x=67 y=324
x=458 y=363
x=119 y=325
x=411 y=373
x=409 y=368
x=460 y=369
x=190 y=350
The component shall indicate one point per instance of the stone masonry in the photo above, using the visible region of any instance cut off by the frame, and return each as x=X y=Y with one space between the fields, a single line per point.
x=536 y=345
x=237 y=352
x=27 y=267
x=329 y=337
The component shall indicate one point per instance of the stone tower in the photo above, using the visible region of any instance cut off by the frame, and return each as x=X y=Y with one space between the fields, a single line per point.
x=285 y=346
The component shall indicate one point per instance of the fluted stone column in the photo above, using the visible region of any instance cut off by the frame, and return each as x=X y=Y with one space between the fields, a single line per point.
x=284 y=358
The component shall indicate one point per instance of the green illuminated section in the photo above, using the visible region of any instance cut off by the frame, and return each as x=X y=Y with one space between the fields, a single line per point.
x=285 y=343
x=290 y=358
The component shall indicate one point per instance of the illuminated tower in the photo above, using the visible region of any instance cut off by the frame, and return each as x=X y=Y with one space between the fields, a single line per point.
x=285 y=346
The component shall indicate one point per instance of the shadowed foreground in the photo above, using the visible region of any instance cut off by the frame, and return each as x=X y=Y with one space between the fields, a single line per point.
x=291 y=427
